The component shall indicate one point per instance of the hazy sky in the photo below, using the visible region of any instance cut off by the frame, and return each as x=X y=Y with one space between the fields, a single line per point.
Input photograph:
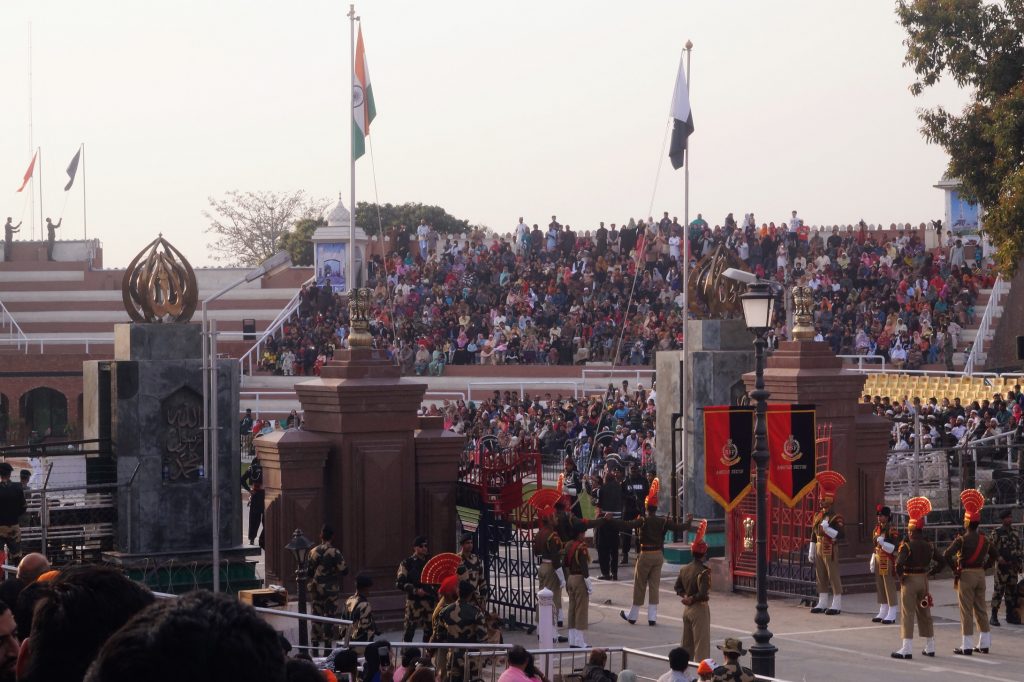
x=491 y=110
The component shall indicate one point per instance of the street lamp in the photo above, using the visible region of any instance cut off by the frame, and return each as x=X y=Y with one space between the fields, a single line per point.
x=279 y=261
x=299 y=547
x=758 y=311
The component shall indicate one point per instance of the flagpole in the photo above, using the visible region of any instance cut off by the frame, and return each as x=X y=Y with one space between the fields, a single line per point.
x=85 y=221
x=31 y=141
x=351 y=268
x=684 y=393
x=41 y=210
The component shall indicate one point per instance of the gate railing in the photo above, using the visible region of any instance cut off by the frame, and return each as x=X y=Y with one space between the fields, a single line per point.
x=14 y=332
x=251 y=357
x=998 y=289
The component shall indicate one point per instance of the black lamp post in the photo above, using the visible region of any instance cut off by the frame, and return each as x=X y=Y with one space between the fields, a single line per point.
x=299 y=547
x=758 y=311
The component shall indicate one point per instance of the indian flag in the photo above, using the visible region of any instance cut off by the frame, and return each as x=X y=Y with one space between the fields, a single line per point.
x=363 y=110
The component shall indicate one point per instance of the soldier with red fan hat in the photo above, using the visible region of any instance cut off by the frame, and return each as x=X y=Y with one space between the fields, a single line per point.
x=969 y=555
x=827 y=529
x=448 y=593
x=883 y=565
x=694 y=588
x=547 y=549
x=916 y=560
x=647 y=572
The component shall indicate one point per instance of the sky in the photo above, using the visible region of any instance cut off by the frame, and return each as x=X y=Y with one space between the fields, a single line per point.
x=493 y=110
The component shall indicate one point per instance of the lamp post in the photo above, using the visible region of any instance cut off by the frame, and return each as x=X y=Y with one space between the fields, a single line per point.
x=279 y=261
x=758 y=312
x=299 y=547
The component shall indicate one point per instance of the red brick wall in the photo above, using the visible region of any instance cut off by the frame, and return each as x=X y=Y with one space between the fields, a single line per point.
x=20 y=373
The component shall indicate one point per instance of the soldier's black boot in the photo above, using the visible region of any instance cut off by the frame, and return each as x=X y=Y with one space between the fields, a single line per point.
x=408 y=634
x=994 y=620
x=1012 y=615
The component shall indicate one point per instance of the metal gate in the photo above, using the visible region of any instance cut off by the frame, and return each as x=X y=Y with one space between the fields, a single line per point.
x=493 y=489
x=789 y=572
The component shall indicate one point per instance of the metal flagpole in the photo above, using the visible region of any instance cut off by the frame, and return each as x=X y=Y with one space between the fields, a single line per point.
x=350 y=276
x=684 y=373
x=39 y=170
x=85 y=220
x=31 y=142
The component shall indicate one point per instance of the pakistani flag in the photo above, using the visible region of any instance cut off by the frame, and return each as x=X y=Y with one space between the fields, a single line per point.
x=682 y=119
x=73 y=169
x=363 y=110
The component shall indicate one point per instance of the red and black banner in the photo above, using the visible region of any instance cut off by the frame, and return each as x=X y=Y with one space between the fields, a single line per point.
x=791 y=447
x=728 y=442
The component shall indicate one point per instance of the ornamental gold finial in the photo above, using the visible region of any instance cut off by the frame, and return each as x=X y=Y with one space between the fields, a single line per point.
x=803 y=300
x=358 y=313
x=159 y=285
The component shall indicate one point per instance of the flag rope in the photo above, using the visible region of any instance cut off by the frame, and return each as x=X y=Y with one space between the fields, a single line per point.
x=63 y=208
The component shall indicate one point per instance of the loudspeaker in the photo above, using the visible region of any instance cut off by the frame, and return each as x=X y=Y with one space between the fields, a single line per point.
x=1020 y=347
x=249 y=329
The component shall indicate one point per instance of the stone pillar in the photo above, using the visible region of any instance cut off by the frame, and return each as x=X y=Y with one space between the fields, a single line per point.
x=807 y=372
x=368 y=414
x=720 y=351
x=437 y=468
x=293 y=478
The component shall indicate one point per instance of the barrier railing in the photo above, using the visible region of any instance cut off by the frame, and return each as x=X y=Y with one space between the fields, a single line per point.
x=14 y=332
x=999 y=288
x=252 y=356
x=576 y=384
x=861 y=359
x=616 y=373
x=27 y=342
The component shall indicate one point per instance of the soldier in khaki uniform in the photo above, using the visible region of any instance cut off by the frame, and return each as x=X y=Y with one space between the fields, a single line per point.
x=731 y=670
x=448 y=593
x=326 y=569
x=916 y=560
x=463 y=623
x=883 y=565
x=647 y=573
x=360 y=612
x=547 y=549
x=694 y=587
x=969 y=555
x=827 y=529
x=419 y=597
x=1008 y=566
x=576 y=561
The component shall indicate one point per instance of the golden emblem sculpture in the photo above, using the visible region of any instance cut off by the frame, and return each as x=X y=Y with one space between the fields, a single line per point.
x=711 y=294
x=159 y=285
x=803 y=317
x=359 y=318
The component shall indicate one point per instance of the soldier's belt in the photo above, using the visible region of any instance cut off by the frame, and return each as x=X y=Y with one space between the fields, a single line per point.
x=915 y=571
x=650 y=548
x=972 y=568
x=545 y=561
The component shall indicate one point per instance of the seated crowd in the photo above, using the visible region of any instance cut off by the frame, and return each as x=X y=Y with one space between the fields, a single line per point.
x=560 y=297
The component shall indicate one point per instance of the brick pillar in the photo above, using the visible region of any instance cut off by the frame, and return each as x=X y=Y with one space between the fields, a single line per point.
x=437 y=463
x=807 y=372
x=293 y=477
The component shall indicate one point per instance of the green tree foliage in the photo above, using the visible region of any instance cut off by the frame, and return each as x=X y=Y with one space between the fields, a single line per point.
x=980 y=46
x=410 y=215
x=248 y=226
x=299 y=241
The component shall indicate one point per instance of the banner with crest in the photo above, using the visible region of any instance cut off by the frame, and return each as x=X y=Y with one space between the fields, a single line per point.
x=791 y=447
x=728 y=442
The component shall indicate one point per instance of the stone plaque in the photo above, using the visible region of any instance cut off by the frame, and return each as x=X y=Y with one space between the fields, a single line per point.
x=181 y=422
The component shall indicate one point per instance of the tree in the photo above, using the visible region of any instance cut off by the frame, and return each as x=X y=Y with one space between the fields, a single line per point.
x=249 y=225
x=408 y=214
x=979 y=45
x=299 y=242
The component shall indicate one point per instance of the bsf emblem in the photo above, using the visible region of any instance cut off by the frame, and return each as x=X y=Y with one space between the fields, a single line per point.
x=730 y=454
x=791 y=449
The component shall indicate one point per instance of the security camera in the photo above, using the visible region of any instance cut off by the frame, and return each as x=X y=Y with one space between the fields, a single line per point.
x=741 y=276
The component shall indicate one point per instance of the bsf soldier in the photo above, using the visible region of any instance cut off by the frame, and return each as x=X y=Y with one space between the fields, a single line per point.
x=694 y=587
x=462 y=623
x=448 y=594
x=647 y=573
x=969 y=555
x=419 y=597
x=634 y=492
x=916 y=560
x=359 y=610
x=326 y=569
x=472 y=571
x=883 y=565
x=1008 y=566
x=547 y=549
x=827 y=529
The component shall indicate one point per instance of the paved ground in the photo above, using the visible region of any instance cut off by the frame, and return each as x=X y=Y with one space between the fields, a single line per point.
x=843 y=648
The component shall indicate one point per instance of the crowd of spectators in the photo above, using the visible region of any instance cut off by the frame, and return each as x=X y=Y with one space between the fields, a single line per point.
x=558 y=296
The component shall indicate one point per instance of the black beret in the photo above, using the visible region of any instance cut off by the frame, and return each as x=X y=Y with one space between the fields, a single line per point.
x=1006 y=512
x=5 y=469
x=466 y=537
x=363 y=581
x=420 y=540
